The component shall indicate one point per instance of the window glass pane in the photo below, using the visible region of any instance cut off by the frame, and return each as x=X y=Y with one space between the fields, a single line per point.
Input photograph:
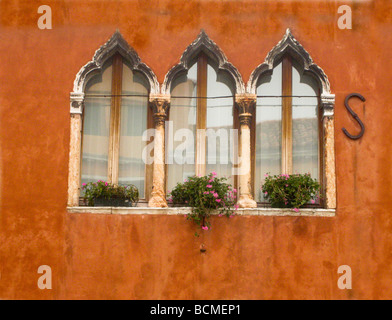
x=268 y=128
x=305 y=124
x=96 y=127
x=181 y=133
x=133 y=124
x=219 y=123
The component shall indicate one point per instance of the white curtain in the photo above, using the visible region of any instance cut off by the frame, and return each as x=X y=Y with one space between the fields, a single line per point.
x=268 y=129
x=181 y=133
x=219 y=124
x=96 y=128
x=305 y=124
x=133 y=124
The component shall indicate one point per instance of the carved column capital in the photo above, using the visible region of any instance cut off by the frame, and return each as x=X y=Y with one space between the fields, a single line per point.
x=159 y=104
x=246 y=119
x=246 y=104
x=327 y=105
x=77 y=101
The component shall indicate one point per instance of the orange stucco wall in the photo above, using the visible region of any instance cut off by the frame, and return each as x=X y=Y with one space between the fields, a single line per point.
x=157 y=257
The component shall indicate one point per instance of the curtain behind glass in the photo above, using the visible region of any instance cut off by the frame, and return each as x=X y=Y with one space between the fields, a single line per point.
x=305 y=124
x=96 y=127
x=219 y=123
x=268 y=129
x=133 y=124
x=182 y=127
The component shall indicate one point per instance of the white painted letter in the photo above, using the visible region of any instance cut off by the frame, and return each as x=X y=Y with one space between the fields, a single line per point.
x=45 y=21
x=146 y=153
x=45 y=281
x=344 y=281
x=344 y=21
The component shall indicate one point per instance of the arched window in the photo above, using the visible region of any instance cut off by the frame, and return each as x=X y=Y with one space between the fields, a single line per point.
x=293 y=125
x=286 y=123
x=114 y=119
x=201 y=120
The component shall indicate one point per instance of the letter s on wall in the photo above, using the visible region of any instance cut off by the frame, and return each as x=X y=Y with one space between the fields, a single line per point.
x=355 y=116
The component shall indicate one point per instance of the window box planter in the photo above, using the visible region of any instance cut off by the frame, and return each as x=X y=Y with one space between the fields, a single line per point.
x=291 y=190
x=102 y=202
x=104 y=194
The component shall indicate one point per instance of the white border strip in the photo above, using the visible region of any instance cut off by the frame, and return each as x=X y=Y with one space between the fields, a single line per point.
x=184 y=210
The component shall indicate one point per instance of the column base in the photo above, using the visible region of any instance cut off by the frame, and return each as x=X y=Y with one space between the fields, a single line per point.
x=246 y=201
x=157 y=202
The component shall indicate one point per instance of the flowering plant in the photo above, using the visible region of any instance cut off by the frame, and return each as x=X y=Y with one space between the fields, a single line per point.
x=290 y=191
x=205 y=194
x=101 y=192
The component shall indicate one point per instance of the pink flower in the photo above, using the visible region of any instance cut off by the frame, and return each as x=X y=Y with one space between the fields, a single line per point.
x=219 y=215
x=211 y=180
x=209 y=186
x=106 y=183
x=236 y=207
x=296 y=209
x=215 y=195
x=83 y=184
x=266 y=193
x=312 y=201
x=218 y=200
x=204 y=227
x=213 y=173
x=234 y=190
x=287 y=185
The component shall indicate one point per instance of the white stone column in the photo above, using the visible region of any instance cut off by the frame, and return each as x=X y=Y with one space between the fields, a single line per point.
x=329 y=178
x=160 y=105
x=75 y=145
x=246 y=104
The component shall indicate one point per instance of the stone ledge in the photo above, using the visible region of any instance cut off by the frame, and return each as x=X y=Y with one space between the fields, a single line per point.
x=308 y=212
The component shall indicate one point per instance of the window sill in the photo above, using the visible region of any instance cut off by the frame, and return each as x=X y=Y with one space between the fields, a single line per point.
x=305 y=212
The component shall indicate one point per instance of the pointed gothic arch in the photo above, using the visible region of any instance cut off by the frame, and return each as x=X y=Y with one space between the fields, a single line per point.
x=289 y=45
x=116 y=44
x=211 y=49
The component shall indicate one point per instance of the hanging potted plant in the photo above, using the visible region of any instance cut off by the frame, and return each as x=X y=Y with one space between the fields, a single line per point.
x=205 y=194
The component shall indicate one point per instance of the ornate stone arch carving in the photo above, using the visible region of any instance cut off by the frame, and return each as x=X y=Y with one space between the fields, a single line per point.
x=115 y=44
x=290 y=45
x=209 y=47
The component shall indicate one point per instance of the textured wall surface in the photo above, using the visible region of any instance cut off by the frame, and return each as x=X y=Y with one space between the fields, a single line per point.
x=157 y=257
